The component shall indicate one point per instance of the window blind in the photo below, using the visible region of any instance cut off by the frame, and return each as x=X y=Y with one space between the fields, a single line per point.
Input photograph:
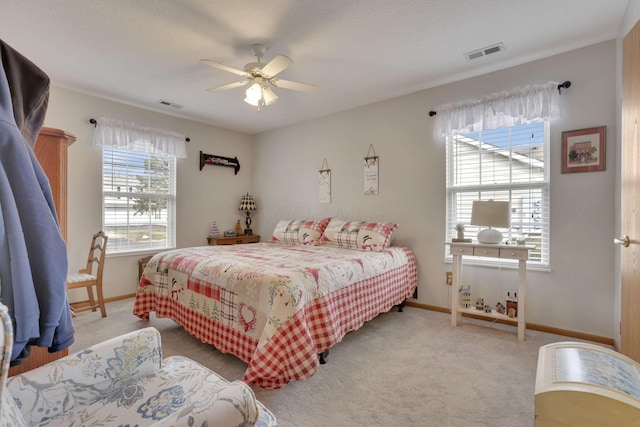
x=506 y=164
x=138 y=200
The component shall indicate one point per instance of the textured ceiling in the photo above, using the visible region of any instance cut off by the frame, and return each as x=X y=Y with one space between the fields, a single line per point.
x=356 y=51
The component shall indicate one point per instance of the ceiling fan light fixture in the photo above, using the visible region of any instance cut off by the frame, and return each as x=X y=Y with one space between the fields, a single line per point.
x=269 y=96
x=260 y=95
x=254 y=94
x=255 y=103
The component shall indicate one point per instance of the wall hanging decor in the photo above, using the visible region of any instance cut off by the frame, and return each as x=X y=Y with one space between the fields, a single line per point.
x=371 y=172
x=211 y=159
x=324 y=177
x=583 y=150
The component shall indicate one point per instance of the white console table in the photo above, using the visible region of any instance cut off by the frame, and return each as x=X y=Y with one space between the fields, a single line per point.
x=520 y=253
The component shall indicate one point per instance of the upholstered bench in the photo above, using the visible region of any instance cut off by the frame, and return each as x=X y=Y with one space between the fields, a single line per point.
x=125 y=381
x=586 y=385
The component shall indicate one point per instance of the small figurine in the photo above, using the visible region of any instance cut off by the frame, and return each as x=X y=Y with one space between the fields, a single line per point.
x=214 y=231
x=480 y=304
x=500 y=308
x=460 y=238
x=466 y=297
x=487 y=308
x=512 y=304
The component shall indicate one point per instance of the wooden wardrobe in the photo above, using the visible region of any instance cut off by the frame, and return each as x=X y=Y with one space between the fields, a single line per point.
x=51 y=151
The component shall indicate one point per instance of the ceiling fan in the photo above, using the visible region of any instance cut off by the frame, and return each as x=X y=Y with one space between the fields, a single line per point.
x=261 y=77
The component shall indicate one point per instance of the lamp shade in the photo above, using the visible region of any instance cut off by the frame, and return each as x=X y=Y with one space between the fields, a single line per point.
x=490 y=213
x=247 y=203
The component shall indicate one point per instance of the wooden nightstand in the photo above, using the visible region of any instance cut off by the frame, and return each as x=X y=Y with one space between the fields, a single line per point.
x=236 y=240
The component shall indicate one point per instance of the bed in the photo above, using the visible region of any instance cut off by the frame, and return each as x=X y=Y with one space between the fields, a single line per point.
x=275 y=305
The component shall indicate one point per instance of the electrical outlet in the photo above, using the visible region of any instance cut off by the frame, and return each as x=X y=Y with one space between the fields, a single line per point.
x=449 y=278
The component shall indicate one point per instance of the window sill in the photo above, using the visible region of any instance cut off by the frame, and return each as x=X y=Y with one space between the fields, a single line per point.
x=499 y=264
x=138 y=253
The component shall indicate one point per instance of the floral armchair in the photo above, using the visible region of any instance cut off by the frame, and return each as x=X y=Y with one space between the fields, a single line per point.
x=123 y=382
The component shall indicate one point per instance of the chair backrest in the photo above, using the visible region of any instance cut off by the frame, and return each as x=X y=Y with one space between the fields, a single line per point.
x=9 y=412
x=6 y=345
x=97 y=253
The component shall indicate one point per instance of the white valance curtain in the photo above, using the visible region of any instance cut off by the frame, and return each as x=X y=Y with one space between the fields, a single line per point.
x=130 y=136
x=503 y=109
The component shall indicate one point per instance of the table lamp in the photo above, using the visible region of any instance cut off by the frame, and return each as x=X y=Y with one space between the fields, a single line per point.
x=490 y=213
x=247 y=204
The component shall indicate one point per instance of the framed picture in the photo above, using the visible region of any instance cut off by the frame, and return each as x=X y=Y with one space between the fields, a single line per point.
x=583 y=150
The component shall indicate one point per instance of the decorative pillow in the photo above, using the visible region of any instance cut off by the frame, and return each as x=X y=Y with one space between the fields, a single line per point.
x=368 y=236
x=342 y=233
x=306 y=232
x=286 y=232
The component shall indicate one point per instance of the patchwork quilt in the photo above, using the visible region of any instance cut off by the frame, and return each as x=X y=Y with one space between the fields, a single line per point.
x=274 y=306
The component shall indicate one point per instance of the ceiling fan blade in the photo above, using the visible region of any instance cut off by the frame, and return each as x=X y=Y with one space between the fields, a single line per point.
x=288 y=84
x=228 y=86
x=277 y=65
x=223 y=67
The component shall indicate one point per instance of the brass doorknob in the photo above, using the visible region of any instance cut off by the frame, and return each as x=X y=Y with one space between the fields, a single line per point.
x=624 y=241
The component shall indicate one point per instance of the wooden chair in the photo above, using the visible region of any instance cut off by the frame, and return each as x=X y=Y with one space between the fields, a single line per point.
x=86 y=278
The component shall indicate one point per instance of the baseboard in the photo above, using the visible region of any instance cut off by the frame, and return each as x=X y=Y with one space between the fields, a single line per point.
x=120 y=297
x=83 y=305
x=532 y=326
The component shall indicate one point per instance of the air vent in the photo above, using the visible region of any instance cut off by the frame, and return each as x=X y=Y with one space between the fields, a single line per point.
x=484 y=51
x=170 y=104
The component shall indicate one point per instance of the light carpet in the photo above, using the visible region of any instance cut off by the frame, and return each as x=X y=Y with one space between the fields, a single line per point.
x=400 y=369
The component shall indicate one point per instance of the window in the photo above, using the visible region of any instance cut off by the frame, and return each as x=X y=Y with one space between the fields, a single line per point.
x=138 y=192
x=506 y=164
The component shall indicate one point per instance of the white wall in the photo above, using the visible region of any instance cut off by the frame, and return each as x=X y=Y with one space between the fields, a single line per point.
x=576 y=294
x=203 y=196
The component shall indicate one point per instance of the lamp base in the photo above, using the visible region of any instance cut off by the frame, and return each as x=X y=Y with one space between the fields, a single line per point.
x=489 y=236
x=247 y=225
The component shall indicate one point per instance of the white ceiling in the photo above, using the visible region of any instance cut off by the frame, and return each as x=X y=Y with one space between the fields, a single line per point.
x=357 y=51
